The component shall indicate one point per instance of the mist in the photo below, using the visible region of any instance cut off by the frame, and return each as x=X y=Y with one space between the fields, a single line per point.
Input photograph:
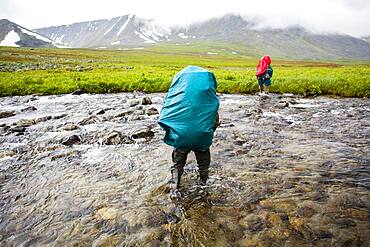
x=331 y=16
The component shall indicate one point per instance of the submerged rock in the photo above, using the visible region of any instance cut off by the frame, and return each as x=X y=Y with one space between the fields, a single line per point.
x=252 y=223
x=107 y=213
x=5 y=114
x=306 y=212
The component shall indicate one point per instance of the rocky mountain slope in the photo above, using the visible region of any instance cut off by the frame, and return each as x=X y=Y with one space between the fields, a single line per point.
x=119 y=31
x=12 y=34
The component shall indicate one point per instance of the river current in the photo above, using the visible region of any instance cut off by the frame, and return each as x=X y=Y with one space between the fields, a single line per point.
x=92 y=170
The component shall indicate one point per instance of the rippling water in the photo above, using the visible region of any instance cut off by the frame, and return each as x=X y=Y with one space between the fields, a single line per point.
x=285 y=171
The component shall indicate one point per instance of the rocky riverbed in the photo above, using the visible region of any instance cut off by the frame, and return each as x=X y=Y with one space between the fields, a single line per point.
x=92 y=170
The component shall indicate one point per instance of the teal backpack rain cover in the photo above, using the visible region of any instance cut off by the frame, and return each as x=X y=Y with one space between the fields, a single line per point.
x=189 y=110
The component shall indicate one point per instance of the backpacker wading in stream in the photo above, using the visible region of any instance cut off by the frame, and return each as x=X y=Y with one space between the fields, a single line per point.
x=189 y=117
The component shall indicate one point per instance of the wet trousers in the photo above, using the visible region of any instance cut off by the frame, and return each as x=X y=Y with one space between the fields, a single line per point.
x=203 y=157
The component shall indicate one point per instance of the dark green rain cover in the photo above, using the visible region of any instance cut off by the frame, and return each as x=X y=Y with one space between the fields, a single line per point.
x=189 y=110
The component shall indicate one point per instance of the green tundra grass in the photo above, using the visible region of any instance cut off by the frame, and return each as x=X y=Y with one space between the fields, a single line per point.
x=58 y=71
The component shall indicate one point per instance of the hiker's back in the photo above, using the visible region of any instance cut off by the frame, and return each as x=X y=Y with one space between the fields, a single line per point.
x=190 y=109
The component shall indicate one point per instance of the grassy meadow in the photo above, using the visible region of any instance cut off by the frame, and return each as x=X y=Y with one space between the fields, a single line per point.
x=58 y=71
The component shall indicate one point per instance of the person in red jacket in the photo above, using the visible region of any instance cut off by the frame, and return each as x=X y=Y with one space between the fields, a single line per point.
x=264 y=74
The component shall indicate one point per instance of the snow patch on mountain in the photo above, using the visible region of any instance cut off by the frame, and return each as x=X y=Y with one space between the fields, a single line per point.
x=59 y=40
x=183 y=36
x=10 y=39
x=116 y=42
x=37 y=36
x=155 y=31
x=125 y=24
x=110 y=29
x=147 y=40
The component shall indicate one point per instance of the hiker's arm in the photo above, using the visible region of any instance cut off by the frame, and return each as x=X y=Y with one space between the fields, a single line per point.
x=217 y=122
x=269 y=73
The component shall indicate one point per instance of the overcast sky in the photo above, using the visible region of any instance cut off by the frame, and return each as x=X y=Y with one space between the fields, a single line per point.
x=343 y=16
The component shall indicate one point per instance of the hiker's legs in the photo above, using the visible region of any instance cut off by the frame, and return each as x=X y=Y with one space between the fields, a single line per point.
x=203 y=160
x=261 y=88
x=267 y=89
x=179 y=160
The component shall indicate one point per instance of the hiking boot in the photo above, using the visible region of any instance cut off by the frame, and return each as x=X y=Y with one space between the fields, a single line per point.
x=203 y=180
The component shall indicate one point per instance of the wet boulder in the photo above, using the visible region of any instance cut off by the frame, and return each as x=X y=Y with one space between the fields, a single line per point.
x=151 y=111
x=139 y=112
x=29 y=108
x=89 y=120
x=146 y=101
x=5 y=114
x=99 y=112
x=135 y=117
x=42 y=119
x=3 y=128
x=7 y=153
x=17 y=129
x=26 y=122
x=113 y=138
x=63 y=154
x=60 y=116
x=71 y=140
x=124 y=113
x=134 y=102
x=287 y=95
x=282 y=104
x=145 y=132
x=70 y=127
x=79 y=92
x=239 y=141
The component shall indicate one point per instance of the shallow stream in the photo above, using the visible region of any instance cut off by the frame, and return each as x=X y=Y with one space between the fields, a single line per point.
x=92 y=170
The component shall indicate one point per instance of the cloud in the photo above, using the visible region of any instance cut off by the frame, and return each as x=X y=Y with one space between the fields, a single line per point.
x=343 y=16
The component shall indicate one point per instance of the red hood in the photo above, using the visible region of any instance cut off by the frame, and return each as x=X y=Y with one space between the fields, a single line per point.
x=262 y=66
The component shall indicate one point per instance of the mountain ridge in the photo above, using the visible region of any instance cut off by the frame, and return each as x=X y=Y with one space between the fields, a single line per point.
x=293 y=42
x=12 y=34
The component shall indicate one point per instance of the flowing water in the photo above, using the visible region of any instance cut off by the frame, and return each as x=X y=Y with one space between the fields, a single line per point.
x=92 y=170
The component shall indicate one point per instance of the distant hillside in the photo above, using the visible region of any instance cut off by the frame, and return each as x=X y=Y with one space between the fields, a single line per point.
x=292 y=42
x=11 y=34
